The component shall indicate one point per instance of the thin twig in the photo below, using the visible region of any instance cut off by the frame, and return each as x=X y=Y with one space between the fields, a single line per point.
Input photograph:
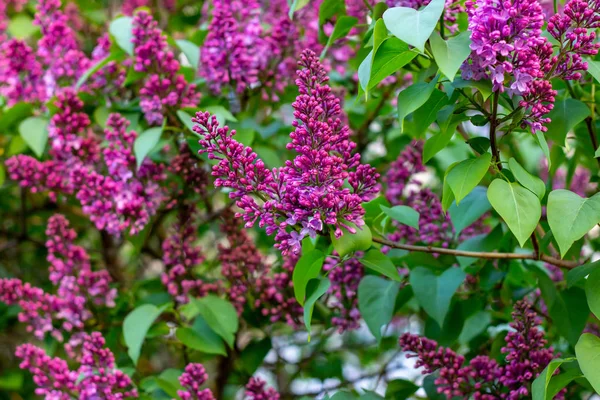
x=479 y=254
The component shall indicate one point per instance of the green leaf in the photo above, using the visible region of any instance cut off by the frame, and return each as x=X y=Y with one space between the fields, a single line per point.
x=447 y=195
x=565 y=115
x=577 y=274
x=145 y=143
x=34 y=131
x=540 y=384
x=473 y=326
x=467 y=174
x=307 y=268
x=541 y=139
x=186 y=119
x=191 y=52
x=571 y=216
x=122 y=30
x=400 y=389
x=220 y=315
x=413 y=97
x=414 y=26
x=518 y=207
x=587 y=350
x=342 y=26
x=403 y=214
x=21 y=27
x=592 y=291
x=221 y=113
x=136 y=325
x=351 y=242
x=471 y=208
x=365 y=67
x=330 y=8
x=95 y=68
x=594 y=69
x=379 y=262
x=211 y=341
x=195 y=341
x=483 y=86
x=533 y=183
x=316 y=288
x=390 y=57
x=14 y=114
x=428 y=113
x=450 y=54
x=254 y=354
x=2 y=174
x=376 y=299
x=434 y=292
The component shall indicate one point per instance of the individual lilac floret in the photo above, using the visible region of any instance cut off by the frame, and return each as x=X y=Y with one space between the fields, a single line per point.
x=307 y=196
x=192 y=378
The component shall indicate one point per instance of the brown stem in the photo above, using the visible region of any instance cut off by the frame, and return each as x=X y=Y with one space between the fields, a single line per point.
x=493 y=126
x=479 y=254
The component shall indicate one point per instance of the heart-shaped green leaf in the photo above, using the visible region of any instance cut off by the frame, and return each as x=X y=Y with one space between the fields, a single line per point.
x=307 y=268
x=571 y=216
x=450 y=54
x=35 y=133
x=464 y=176
x=220 y=315
x=565 y=115
x=434 y=292
x=136 y=325
x=412 y=98
x=587 y=351
x=519 y=207
x=533 y=183
x=379 y=262
x=350 y=242
x=376 y=299
x=403 y=214
x=144 y=143
x=414 y=26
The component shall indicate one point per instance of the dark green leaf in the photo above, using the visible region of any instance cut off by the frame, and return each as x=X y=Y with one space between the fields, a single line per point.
x=307 y=268
x=377 y=261
x=471 y=208
x=376 y=299
x=220 y=315
x=316 y=288
x=434 y=292
x=342 y=26
x=565 y=115
x=577 y=274
x=413 y=97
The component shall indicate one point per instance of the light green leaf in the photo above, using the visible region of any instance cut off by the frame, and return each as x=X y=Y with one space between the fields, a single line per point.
x=577 y=274
x=136 y=325
x=594 y=69
x=204 y=340
x=364 y=69
x=587 y=350
x=145 y=143
x=403 y=214
x=592 y=291
x=413 y=97
x=316 y=288
x=571 y=216
x=21 y=27
x=297 y=5
x=191 y=52
x=34 y=131
x=376 y=299
x=307 y=268
x=484 y=86
x=122 y=30
x=220 y=315
x=414 y=26
x=390 y=57
x=540 y=387
x=450 y=54
x=379 y=262
x=464 y=176
x=342 y=26
x=541 y=139
x=434 y=292
x=447 y=195
x=96 y=67
x=565 y=115
x=518 y=207
x=351 y=242
x=471 y=208
x=186 y=119
x=533 y=183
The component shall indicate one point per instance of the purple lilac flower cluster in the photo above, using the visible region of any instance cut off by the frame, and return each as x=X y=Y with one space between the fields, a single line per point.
x=164 y=87
x=194 y=376
x=180 y=256
x=308 y=193
x=345 y=277
x=404 y=188
x=77 y=287
x=482 y=378
x=122 y=198
x=508 y=48
x=96 y=377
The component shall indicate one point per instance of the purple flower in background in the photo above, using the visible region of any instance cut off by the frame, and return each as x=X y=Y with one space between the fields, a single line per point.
x=192 y=378
x=256 y=390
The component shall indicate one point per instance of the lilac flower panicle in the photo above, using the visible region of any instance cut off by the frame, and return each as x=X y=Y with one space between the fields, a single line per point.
x=308 y=193
x=192 y=378
x=256 y=390
x=345 y=277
